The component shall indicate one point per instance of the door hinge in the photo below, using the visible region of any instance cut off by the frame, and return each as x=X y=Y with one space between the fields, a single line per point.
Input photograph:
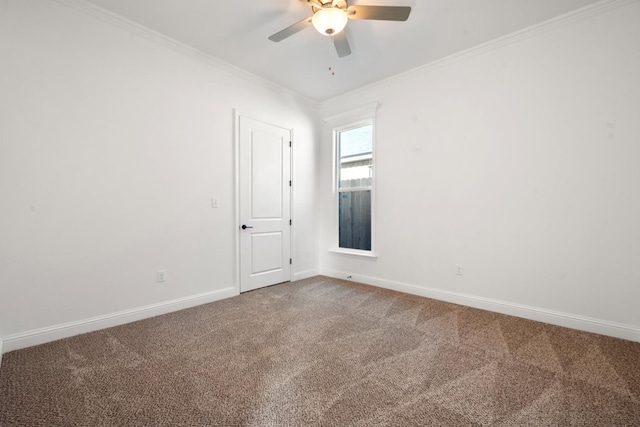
x=290 y=261
x=289 y=143
x=290 y=222
x=289 y=183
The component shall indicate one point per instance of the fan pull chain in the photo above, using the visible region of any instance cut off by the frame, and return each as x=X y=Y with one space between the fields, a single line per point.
x=331 y=53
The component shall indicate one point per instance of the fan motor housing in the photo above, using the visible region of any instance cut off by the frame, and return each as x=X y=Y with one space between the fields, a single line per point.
x=341 y=4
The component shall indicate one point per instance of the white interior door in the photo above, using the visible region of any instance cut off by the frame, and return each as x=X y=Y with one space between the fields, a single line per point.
x=265 y=204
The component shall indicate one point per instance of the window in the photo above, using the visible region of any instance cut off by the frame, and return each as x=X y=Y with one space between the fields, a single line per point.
x=354 y=147
x=354 y=193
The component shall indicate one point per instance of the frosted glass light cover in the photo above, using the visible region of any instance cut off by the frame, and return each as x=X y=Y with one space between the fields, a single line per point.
x=330 y=21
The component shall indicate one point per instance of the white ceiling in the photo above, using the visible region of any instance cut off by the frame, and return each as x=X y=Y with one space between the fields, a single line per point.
x=236 y=32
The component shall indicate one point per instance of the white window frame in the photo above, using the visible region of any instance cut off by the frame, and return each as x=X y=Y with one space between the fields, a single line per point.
x=363 y=116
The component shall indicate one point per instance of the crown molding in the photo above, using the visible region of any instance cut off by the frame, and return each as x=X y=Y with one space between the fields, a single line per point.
x=595 y=9
x=168 y=42
x=578 y=15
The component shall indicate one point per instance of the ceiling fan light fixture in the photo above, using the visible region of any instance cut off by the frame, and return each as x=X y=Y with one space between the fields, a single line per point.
x=329 y=21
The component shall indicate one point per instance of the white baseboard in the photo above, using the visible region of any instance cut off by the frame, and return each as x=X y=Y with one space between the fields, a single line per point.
x=301 y=275
x=566 y=320
x=1 y=350
x=65 y=330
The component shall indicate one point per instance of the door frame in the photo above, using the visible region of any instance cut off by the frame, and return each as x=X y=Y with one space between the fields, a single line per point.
x=236 y=184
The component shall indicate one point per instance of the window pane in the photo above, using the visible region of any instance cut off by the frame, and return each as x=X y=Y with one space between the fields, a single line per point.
x=355 y=148
x=354 y=214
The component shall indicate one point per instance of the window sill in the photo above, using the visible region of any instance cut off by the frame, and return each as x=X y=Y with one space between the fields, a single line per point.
x=354 y=253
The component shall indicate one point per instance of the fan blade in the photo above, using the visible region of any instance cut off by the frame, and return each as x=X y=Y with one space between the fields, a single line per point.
x=289 y=31
x=341 y=44
x=381 y=13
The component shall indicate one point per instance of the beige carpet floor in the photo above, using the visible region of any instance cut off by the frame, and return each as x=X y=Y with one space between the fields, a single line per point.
x=325 y=352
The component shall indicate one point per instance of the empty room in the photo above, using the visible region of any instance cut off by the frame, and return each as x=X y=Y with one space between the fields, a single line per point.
x=315 y=212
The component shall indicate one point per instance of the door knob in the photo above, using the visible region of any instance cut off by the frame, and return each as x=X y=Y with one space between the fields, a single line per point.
x=244 y=227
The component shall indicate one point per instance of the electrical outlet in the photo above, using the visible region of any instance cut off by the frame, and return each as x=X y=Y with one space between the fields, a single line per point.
x=161 y=276
x=214 y=202
x=459 y=270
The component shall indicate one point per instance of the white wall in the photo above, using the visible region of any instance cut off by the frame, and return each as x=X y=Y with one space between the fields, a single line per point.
x=520 y=161
x=111 y=147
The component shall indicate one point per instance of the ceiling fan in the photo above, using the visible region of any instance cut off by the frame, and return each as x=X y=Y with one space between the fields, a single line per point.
x=331 y=16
